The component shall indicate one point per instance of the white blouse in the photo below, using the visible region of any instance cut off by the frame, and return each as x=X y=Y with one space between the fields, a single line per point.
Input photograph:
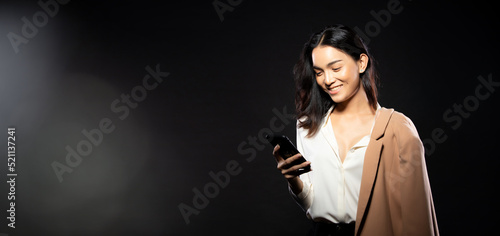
x=331 y=189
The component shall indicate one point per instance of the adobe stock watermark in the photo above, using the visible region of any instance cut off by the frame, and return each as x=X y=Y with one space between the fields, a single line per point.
x=373 y=28
x=382 y=18
x=454 y=117
x=221 y=7
x=30 y=27
x=121 y=107
x=221 y=179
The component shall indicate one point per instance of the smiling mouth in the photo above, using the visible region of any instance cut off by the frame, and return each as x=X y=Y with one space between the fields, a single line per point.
x=335 y=89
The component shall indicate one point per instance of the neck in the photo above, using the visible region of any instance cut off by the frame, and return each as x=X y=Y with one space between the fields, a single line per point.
x=358 y=104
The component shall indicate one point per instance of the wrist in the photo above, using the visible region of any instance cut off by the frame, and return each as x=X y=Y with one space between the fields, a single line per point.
x=295 y=185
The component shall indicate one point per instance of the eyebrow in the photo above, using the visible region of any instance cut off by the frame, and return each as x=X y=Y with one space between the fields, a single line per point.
x=327 y=65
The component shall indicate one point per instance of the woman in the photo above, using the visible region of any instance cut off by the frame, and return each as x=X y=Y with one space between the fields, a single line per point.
x=368 y=173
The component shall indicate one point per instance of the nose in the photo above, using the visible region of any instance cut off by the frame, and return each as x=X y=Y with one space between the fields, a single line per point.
x=329 y=78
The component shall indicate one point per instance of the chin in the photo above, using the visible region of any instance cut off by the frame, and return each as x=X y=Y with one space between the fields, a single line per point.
x=337 y=99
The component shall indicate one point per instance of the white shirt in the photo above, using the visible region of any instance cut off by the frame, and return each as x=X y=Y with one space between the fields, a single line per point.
x=331 y=189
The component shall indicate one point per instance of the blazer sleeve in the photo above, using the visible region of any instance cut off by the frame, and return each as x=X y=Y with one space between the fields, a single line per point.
x=417 y=208
x=304 y=199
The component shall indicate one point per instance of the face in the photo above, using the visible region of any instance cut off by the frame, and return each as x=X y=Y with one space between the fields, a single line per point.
x=338 y=73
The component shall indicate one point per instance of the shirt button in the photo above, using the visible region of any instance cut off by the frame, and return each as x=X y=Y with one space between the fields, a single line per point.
x=352 y=150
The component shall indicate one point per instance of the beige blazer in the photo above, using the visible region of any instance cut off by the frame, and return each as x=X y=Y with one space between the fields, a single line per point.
x=395 y=196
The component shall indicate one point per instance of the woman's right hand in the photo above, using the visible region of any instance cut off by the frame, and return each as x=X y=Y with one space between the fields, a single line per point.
x=289 y=171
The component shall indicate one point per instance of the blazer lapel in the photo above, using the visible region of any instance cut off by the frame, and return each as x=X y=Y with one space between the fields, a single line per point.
x=370 y=165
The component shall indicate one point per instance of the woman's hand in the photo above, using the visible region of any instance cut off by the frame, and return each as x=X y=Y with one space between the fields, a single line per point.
x=289 y=171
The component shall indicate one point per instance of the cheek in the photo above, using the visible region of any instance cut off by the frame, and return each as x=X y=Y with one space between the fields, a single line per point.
x=319 y=81
x=351 y=75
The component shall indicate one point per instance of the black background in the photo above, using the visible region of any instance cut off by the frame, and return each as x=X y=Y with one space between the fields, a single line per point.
x=226 y=77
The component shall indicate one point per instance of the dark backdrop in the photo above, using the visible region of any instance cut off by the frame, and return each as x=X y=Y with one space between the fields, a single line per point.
x=229 y=82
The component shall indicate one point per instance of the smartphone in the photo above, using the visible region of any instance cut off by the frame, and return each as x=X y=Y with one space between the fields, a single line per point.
x=287 y=149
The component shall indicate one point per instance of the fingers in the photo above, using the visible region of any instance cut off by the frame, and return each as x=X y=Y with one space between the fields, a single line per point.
x=287 y=167
x=276 y=153
x=289 y=170
x=289 y=161
x=306 y=167
x=296 y=170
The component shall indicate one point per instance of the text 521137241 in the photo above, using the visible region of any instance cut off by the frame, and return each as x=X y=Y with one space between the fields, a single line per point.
x=11 y=176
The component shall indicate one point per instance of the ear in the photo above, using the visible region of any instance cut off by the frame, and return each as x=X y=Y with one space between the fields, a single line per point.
x=363 y=62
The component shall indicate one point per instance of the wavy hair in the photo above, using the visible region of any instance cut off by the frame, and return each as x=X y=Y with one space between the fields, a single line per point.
x=311 y=102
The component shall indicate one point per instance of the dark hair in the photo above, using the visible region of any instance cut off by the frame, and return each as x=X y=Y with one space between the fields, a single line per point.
x=311 y=102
